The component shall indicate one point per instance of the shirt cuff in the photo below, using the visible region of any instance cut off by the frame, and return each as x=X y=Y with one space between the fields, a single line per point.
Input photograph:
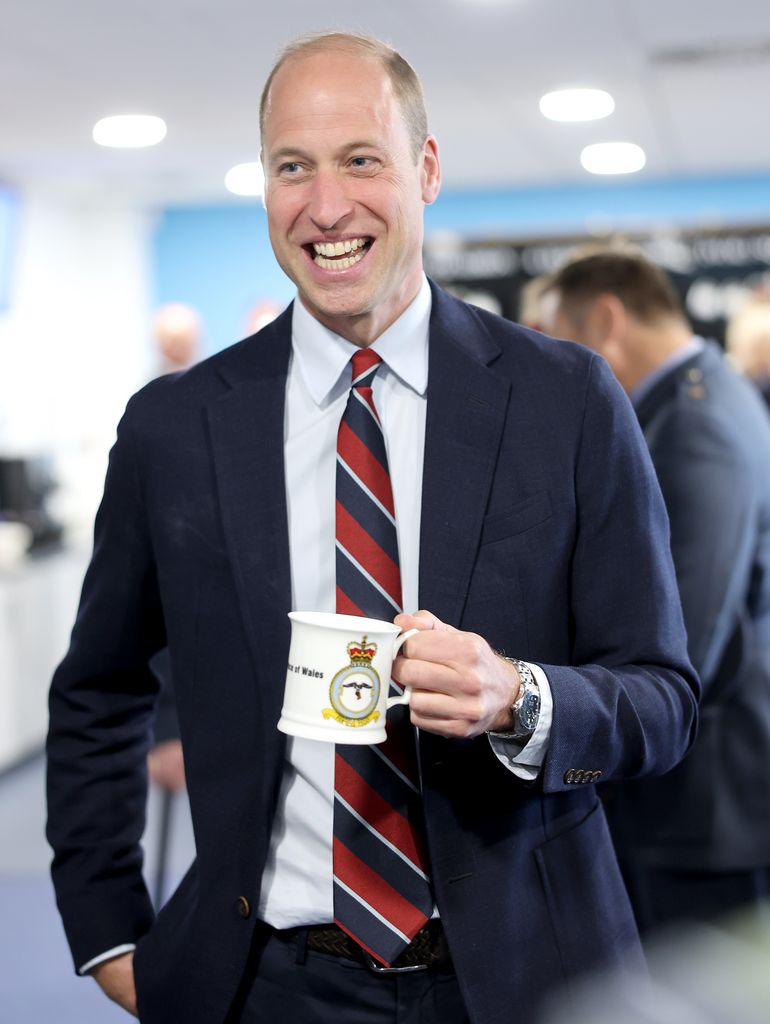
x=526 y=760
x=115 y=951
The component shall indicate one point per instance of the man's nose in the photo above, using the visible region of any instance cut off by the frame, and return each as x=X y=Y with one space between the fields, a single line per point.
x=329 y=204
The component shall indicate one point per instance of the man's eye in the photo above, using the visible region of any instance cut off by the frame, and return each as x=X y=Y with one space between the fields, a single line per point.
x=362 y=162
x=289 y=168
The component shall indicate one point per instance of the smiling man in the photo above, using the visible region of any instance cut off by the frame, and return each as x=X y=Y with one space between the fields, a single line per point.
x=381 y=447
x=347 y=177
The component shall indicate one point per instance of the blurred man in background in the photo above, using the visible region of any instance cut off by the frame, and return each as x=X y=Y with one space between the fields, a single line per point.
x=177 y=331
x=694 y=843
x=748 y=341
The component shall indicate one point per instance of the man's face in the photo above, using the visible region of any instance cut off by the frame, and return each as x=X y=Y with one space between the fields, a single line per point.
x=344 y=194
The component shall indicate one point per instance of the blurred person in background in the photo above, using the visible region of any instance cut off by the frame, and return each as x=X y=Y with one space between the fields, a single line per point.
x=262 y=313
x=694 y=843
x=484 y=489
x=533 y=302
x=748 y=341
x=177 y=331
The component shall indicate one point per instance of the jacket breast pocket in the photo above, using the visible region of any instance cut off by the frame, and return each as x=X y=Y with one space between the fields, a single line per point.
x=517 y=518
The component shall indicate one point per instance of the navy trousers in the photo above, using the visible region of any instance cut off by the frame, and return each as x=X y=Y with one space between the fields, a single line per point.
x=287 y=982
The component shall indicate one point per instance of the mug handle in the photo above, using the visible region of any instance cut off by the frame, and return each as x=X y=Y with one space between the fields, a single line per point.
x=407 y=694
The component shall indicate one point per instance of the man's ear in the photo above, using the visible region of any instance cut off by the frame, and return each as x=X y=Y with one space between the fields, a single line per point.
x=430 y=170
x=606 y=320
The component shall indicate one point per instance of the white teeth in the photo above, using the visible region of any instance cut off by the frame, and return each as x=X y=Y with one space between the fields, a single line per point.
x=338 y=248
x=342 y=264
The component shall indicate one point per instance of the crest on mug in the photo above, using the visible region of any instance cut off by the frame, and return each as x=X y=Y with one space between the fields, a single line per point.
x=355 y=689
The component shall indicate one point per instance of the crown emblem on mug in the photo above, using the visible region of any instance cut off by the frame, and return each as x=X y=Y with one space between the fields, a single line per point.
x=355 y=689
x=361 y=653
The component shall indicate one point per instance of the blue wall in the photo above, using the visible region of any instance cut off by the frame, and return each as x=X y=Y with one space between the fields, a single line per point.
x=218 y=258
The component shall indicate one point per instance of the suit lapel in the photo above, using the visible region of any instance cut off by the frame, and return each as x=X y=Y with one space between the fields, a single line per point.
x=246 y=428
x=467 y=405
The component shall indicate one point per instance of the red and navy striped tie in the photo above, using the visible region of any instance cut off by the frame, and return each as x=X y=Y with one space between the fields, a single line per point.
x=382 y=894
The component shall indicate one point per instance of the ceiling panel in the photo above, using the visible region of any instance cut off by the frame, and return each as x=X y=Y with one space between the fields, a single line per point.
x=690 y=77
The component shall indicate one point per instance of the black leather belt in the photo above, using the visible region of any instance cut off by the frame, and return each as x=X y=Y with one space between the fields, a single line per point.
x=427 y=949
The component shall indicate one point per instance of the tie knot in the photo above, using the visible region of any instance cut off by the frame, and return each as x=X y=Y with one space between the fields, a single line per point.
x=365 y=363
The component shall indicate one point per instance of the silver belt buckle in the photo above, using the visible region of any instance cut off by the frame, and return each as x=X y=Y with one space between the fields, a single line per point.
x=377 y=968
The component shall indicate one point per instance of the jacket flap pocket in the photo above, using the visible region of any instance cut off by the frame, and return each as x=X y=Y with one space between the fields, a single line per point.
x=517 y=518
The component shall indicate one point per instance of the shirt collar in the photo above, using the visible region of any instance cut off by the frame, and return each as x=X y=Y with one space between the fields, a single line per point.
x=322 y=356
x=681 y=355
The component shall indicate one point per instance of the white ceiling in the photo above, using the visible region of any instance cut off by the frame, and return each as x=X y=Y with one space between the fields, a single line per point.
x=691 y=80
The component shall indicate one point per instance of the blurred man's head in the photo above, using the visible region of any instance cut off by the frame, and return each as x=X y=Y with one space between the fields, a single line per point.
x=349 y=167
x=622 y=306
x=748 y=338
x=261 y=314
x=535 y=299
x=178 y=336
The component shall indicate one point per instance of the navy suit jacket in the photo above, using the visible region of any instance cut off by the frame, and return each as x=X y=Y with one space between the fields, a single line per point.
x=542 y=529
x=709 y=437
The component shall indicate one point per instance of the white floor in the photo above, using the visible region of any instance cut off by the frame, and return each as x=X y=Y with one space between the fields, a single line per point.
x=37 y=980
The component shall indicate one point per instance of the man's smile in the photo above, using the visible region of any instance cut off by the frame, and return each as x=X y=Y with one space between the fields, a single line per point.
x=339 y=255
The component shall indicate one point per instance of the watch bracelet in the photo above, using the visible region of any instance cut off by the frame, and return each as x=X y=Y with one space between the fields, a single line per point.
x=527 y=683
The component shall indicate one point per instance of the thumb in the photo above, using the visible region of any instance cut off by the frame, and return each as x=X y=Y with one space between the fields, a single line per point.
x=422 y=620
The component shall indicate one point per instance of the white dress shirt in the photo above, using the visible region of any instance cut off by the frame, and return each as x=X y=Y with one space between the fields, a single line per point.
x=297 y=880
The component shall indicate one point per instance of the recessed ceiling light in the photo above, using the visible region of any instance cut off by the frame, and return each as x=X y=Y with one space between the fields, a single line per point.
x=129 y=131
x=576 y=105
x=246 y=179
x=613 y=158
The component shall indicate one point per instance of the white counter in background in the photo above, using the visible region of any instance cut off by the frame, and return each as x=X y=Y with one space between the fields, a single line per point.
x=38 y=601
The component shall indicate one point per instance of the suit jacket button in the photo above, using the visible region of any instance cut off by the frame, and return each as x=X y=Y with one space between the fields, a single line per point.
x=579 y=775
x=597 y=775
x=569 y=775
x=243 y=907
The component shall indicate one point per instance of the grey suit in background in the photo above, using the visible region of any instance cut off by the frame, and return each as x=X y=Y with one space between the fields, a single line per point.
x=709 y=436
x=694 y=843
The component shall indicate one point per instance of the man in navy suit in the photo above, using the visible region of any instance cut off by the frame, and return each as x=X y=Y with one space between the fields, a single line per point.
x=695 y=843
x=529 y=523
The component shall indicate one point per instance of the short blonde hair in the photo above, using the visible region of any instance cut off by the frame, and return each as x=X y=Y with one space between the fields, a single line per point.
x=403 y=77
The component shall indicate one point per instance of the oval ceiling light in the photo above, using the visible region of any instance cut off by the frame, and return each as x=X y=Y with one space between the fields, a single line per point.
x=246 y=179
x=576 y=105
x=129 y=131
x=613 y=158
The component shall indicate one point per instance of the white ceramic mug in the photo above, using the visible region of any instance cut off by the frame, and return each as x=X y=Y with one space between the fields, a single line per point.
x=338 y=677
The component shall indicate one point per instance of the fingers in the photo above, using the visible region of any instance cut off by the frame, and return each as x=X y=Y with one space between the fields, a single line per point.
x=424 y=675
x=422 y=620
x=456 y=716
x=460 y=687
x=463 y=652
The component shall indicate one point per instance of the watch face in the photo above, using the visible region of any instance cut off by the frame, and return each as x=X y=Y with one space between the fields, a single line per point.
x=529 y=711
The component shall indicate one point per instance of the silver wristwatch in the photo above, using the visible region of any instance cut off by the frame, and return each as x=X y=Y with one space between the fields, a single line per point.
x=526 y=708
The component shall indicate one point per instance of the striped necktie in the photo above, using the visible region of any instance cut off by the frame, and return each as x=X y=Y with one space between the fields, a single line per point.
x=382 y=894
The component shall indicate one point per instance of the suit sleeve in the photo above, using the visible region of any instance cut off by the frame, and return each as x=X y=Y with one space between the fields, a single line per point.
x=101 y=706
x=627 y=704
x=711 y=499
x=166 y=724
